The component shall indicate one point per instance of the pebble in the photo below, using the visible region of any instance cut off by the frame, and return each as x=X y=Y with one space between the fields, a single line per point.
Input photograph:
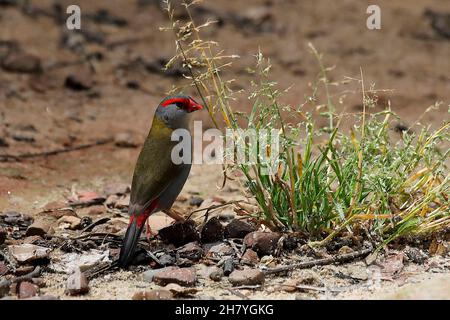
x=3 y=268
x=248 y=277
x=69 y=222
x=38 y=228
x=250 y=257
x=228 y=266
x=79 y=81
x=264 y=243
x=117 y=189
x=158 y=294
x=220 y=250
x=416 y=255
x=216 y=273
x=181 y=276
x=22 y=62
x=125 y=140
x=167 y=260
x=149 y=274
x=238 y=229
x=179 y=233
x=196 y=201
x=28 y=252
x=191 y=251
x=96 y=210
x=28 y=290
x=345 y=250
x=77 y=284
x=212 y=231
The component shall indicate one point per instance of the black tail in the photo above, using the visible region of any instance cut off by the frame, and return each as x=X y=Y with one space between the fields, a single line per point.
x=129 y=243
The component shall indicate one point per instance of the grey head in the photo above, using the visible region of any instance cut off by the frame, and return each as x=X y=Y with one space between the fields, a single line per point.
x=174 y=110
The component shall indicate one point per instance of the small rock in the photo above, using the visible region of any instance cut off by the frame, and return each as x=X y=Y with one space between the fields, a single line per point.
x=125 y=140
x=268 y=261
x=3 y=143
x=38 y=228
x=23 y=270
x=392 y=265
x=149 y=274
x=158 y=294
x=167 y=260
x=73 y=261
x=216 y=273
x=77 y=284
x=220 y=250
x=416 y=255
x=239 y=229
x=180 y=292
x=3 y=235
x=39 y=282
x=181 y=276
x=28 y=290
x=96 y=210
x=212 y=231
x=113 y=226
x=133 y=84
x=58 y=209
x=345 y=250
x=28 y=252
x=290 y=285
x=3 y=268
x=228 y=266
x=16 y=218
x=22 y=62
x=69 y=222
x=196 y=201
x=371 y=258
x=79 y=81
x=179 y=233
x=117 y=189
x=32 y=239
x=264 y=243
x=250 y=257
x=24 y=137
x=248 y=277
x=191 y=251
x=122 y=202
x=89 y=197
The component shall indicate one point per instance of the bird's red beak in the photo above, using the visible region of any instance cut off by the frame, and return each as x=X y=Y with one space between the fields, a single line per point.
x=194 y=106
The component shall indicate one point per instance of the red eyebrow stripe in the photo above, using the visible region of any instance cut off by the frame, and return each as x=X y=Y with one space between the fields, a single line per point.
x=175 y=100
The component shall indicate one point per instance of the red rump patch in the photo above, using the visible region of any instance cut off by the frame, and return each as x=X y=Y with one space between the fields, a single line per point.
x=188 y=104
x=140 y=218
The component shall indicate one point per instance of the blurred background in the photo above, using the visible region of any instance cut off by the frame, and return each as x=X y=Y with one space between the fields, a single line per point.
x=61 y=88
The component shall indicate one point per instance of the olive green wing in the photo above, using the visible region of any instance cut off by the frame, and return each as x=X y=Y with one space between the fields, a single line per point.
x=154 y=171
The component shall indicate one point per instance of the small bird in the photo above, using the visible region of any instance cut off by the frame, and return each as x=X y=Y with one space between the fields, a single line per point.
x=157 y=180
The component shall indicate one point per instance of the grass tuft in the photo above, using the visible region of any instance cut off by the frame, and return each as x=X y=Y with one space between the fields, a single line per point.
x=326 y=180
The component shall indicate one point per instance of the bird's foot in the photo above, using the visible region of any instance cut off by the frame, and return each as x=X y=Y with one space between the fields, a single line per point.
x=148 y=232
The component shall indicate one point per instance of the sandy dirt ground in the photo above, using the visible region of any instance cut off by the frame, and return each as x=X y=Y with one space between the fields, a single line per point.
x=39 y=113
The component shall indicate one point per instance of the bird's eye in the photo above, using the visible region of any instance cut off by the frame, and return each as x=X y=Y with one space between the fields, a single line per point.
x=179 y=105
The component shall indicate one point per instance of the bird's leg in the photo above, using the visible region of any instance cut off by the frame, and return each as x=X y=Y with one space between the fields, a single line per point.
x=174 y=215
x=148 y=231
